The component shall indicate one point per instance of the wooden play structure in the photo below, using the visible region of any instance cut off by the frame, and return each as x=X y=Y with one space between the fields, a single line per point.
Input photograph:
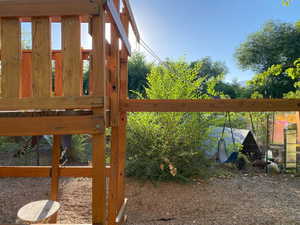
x=41 y=91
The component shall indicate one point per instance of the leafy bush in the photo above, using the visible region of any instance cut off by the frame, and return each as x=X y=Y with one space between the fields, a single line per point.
x=81 y=149
x=170 y=146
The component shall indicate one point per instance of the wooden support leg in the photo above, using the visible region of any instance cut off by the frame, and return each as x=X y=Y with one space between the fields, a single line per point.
x=55 y=172
x=121 y=159
x=98 y=188
x=113 y=191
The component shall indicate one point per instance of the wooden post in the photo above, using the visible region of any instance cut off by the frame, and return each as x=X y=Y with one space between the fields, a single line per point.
x=114 y=100
x=123 y=115
x=98 y=186
x=97 y=88
x=55 y=171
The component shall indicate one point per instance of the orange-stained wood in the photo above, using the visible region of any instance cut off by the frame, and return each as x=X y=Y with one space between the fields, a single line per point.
x=114 y=97
x=46 y=103
x=58 y=85
x=41 y=57
x=45 y=171
x=24 y=8
x=99 y=181
x=55 y=167
x=11 y=57
x=57 y=125
x=211 y=105
x=97 y=73
x=122 y=117
x=55 y=172
x=26 y=78
x=72 y=63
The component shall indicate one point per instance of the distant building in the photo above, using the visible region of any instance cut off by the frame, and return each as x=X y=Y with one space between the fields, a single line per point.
x=282 y=121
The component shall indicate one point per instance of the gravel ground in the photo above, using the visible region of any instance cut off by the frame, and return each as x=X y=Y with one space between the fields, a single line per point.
x=248 y=200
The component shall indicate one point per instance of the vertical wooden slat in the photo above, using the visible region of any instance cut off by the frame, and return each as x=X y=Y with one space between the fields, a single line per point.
x=58 y=75
x=98 y=185
x=55 y=172
x=41 y=57
x=97 y=74
x=72 y=63
x=11 y=57
x=26 y=86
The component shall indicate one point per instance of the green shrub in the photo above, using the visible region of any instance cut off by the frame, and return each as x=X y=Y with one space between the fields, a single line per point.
x=170 y=146
x=81 y=149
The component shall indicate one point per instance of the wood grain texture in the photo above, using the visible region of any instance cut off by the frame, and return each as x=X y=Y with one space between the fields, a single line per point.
x=55 y=172
x=45 y=171
x=58 y=85
x=227 y=105
x=85 y=52
x=114 y=64
x=98 y=183
x=41 y=57
x=122 y=120
x=98 y=73
x=24 y=8
x=72 y=63
x=46 y=103
x=55 y=167
x=113 y=182
x=57 y=125
x=11 y=58
x=26 y=78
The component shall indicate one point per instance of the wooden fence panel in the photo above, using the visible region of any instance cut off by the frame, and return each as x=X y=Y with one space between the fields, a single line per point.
x=10 y=57
x=41 y=57
x=72 y=63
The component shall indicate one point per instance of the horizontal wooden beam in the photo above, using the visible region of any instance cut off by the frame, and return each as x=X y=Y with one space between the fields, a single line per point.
x=45 y=171
x=24 y=8
x=210 y=105
x=116 y=19
x=46 y=103
x=25 y=171
x=57 y=19
x=85 y=52
x=52 y=125
x=132 y=20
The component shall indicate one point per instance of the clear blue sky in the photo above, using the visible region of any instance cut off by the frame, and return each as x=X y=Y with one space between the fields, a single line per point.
x=199 y=28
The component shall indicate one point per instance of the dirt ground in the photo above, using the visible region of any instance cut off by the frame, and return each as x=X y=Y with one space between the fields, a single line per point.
x=241 y=199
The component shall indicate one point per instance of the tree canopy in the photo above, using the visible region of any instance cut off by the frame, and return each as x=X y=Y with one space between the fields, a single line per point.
x=138 y=69
x=275 y=44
